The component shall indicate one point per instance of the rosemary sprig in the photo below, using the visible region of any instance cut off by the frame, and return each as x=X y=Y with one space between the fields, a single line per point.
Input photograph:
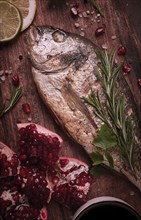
x=97 y=8
x=15 y=96
x=113 y=114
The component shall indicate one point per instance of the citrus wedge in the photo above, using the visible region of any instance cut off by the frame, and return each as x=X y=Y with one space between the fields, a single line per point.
x=27 y=9
x=10 y=21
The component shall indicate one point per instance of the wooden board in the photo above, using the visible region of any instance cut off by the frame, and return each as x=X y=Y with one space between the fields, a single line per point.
x=122 y=19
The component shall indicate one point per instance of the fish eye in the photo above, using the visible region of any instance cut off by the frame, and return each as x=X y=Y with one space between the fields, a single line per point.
x=49 y=57
x=59 y=36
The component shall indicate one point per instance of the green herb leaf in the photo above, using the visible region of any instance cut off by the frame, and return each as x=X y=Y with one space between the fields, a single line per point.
x=15 y=96
x=114 y=112
x=105 y=138
x=97 y=158
x=109 y=159
x=97 y=8
x=96 y=170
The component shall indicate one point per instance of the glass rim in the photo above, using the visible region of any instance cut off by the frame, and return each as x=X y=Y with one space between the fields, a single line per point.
x=105 y=200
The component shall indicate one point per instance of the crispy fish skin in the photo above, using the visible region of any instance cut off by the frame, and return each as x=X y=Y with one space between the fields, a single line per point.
x=59 y=60
x=63 y=69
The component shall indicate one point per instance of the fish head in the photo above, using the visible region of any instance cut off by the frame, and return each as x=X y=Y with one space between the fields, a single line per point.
x=52 y=50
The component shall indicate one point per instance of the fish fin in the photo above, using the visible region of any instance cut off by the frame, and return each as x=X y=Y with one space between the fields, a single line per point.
x=75 y=102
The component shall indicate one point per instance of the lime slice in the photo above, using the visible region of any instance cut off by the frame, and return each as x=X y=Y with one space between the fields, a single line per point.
x=10 y=21
x=27 y=9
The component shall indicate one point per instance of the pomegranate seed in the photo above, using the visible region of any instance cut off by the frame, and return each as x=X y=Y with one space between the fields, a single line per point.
x=78 y=11
x=36 y=188
x=4 y=157
x=24 y=171
x=37 y=146
x=26 y=108
x=99 y=31
x=126 y=68
x=55 y=179
x=139 y=82
x=14 y=162
x=16 y=197
x=15 y=80
x=22 y=211
x=63 y=162
x=121 y=50
x=31 y=127
x=75 y=4
x=23 y=157
x=6 y=172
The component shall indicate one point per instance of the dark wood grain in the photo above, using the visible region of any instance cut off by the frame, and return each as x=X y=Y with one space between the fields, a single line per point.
x=122 y=19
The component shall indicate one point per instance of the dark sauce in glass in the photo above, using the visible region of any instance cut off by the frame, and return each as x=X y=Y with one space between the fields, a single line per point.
x=107 y=211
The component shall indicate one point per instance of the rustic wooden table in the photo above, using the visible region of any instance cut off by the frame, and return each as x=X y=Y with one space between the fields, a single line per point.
x=121 y=19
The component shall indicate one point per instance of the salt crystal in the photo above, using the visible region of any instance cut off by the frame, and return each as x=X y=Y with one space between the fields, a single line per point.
x=132 y=193
x=8 y=72
x=76 y=25
x=104 y=46
x=116 y=61
x=88 y=12
x=82 y=33
x=80 y=15
x=29 y=119
x=84 y=14
x=1 y=72
x=113 y=37
x=130 y=111
x=98 y=15
x=2 y=78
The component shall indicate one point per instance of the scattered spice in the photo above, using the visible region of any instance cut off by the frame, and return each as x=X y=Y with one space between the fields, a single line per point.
x=26 y=108
x=4 y=74
x=121 y=50
x=20 y=57
x=8 y=72
x=99 y=31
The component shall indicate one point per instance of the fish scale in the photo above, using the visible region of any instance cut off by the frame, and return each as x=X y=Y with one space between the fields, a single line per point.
x=65 y=72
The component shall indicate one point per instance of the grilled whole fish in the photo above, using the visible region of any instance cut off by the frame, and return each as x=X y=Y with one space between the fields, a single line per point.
x=63 y=69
